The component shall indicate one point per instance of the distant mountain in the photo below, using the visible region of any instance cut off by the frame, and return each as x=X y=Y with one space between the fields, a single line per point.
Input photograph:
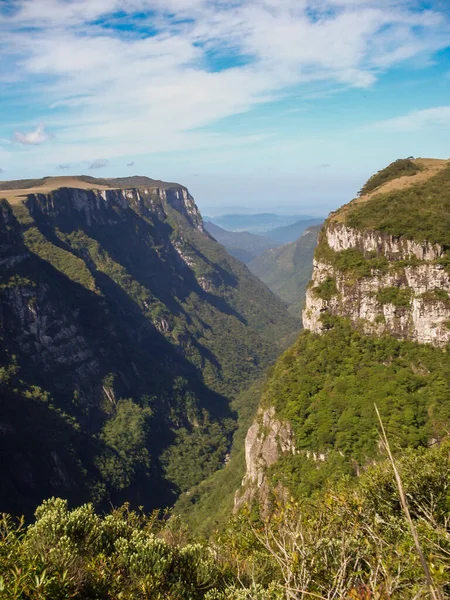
x=287 y=270
x=290 y=233
x=241 y=244
x=257 y=223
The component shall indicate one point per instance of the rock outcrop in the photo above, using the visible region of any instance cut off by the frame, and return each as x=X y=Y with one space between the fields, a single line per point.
x=107 y=207
x=267 y=439
x=407 y=296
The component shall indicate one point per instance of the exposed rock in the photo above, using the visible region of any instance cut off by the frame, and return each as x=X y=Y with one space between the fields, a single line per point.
x=266 y=440
x=181 y=200
x=115 y=293
x=341 y=237
x=12 y=249
x=424 y=319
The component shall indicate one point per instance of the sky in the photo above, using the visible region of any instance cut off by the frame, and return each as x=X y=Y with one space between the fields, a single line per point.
x=258 y=105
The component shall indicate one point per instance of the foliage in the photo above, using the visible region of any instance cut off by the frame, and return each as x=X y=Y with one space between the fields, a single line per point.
x=75 y=553
x=326 y=290
x=198 y=453
x=352 y=541
x=351 y=261
x=420 y=212
x=399 y=168
x=64 y=261
x=394 y=295
x=208 y=505
x=127 y=302
x=126 y=442
x=326 y=386
x=40 y=444
x=437 y=295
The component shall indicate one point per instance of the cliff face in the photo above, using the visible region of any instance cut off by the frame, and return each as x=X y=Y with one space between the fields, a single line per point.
x=406 y=296
x=108 y=207
x=12 y=249
x=266 y=441
x=129 y=317
x=377 y=328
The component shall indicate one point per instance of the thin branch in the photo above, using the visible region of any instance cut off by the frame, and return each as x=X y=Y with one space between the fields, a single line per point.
x=435 y=593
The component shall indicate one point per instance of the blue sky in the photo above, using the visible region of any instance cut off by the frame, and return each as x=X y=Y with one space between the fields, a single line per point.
x=282 y=105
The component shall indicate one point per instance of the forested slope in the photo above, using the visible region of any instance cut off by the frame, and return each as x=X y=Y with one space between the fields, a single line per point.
x=377 y=320
x=126 y=326
x=287 y=270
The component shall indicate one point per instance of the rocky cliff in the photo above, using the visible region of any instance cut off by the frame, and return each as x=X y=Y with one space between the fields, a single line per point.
x=405 y=295
x=118 y=314
x=266 y=441
x=377 y=320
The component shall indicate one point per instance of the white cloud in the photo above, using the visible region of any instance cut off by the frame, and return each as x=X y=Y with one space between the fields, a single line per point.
x=100 y=163
x=115 y=94
x=438 y=116
x=32 y=138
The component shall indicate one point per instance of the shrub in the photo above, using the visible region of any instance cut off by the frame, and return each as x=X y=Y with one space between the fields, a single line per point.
x=399 y=168
x=400 y=297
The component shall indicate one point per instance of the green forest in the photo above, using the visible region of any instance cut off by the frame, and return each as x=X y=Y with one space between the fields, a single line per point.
x=326 y=386
x=106 y=319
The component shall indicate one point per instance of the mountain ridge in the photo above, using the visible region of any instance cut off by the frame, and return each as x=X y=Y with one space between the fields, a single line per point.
x=242 y=244
x=83 y=182
x=291 y=233
x=123 y=314
x=287 y=270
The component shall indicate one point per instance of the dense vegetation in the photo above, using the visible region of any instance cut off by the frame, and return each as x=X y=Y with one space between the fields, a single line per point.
x=399 y=168
x=351 y=262
x=139 y=328
x=420 y=212
x=326 y=290
x=326 y=387
x=287 y=270
x=208 y=506
x=352 y=542
x=395 y=295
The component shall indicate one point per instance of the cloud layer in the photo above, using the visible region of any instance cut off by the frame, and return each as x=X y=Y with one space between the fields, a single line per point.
x=416 y=120
x=113 y=78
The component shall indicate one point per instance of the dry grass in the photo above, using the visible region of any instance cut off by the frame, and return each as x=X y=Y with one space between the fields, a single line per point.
x=430 y=167
x=54 y=183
